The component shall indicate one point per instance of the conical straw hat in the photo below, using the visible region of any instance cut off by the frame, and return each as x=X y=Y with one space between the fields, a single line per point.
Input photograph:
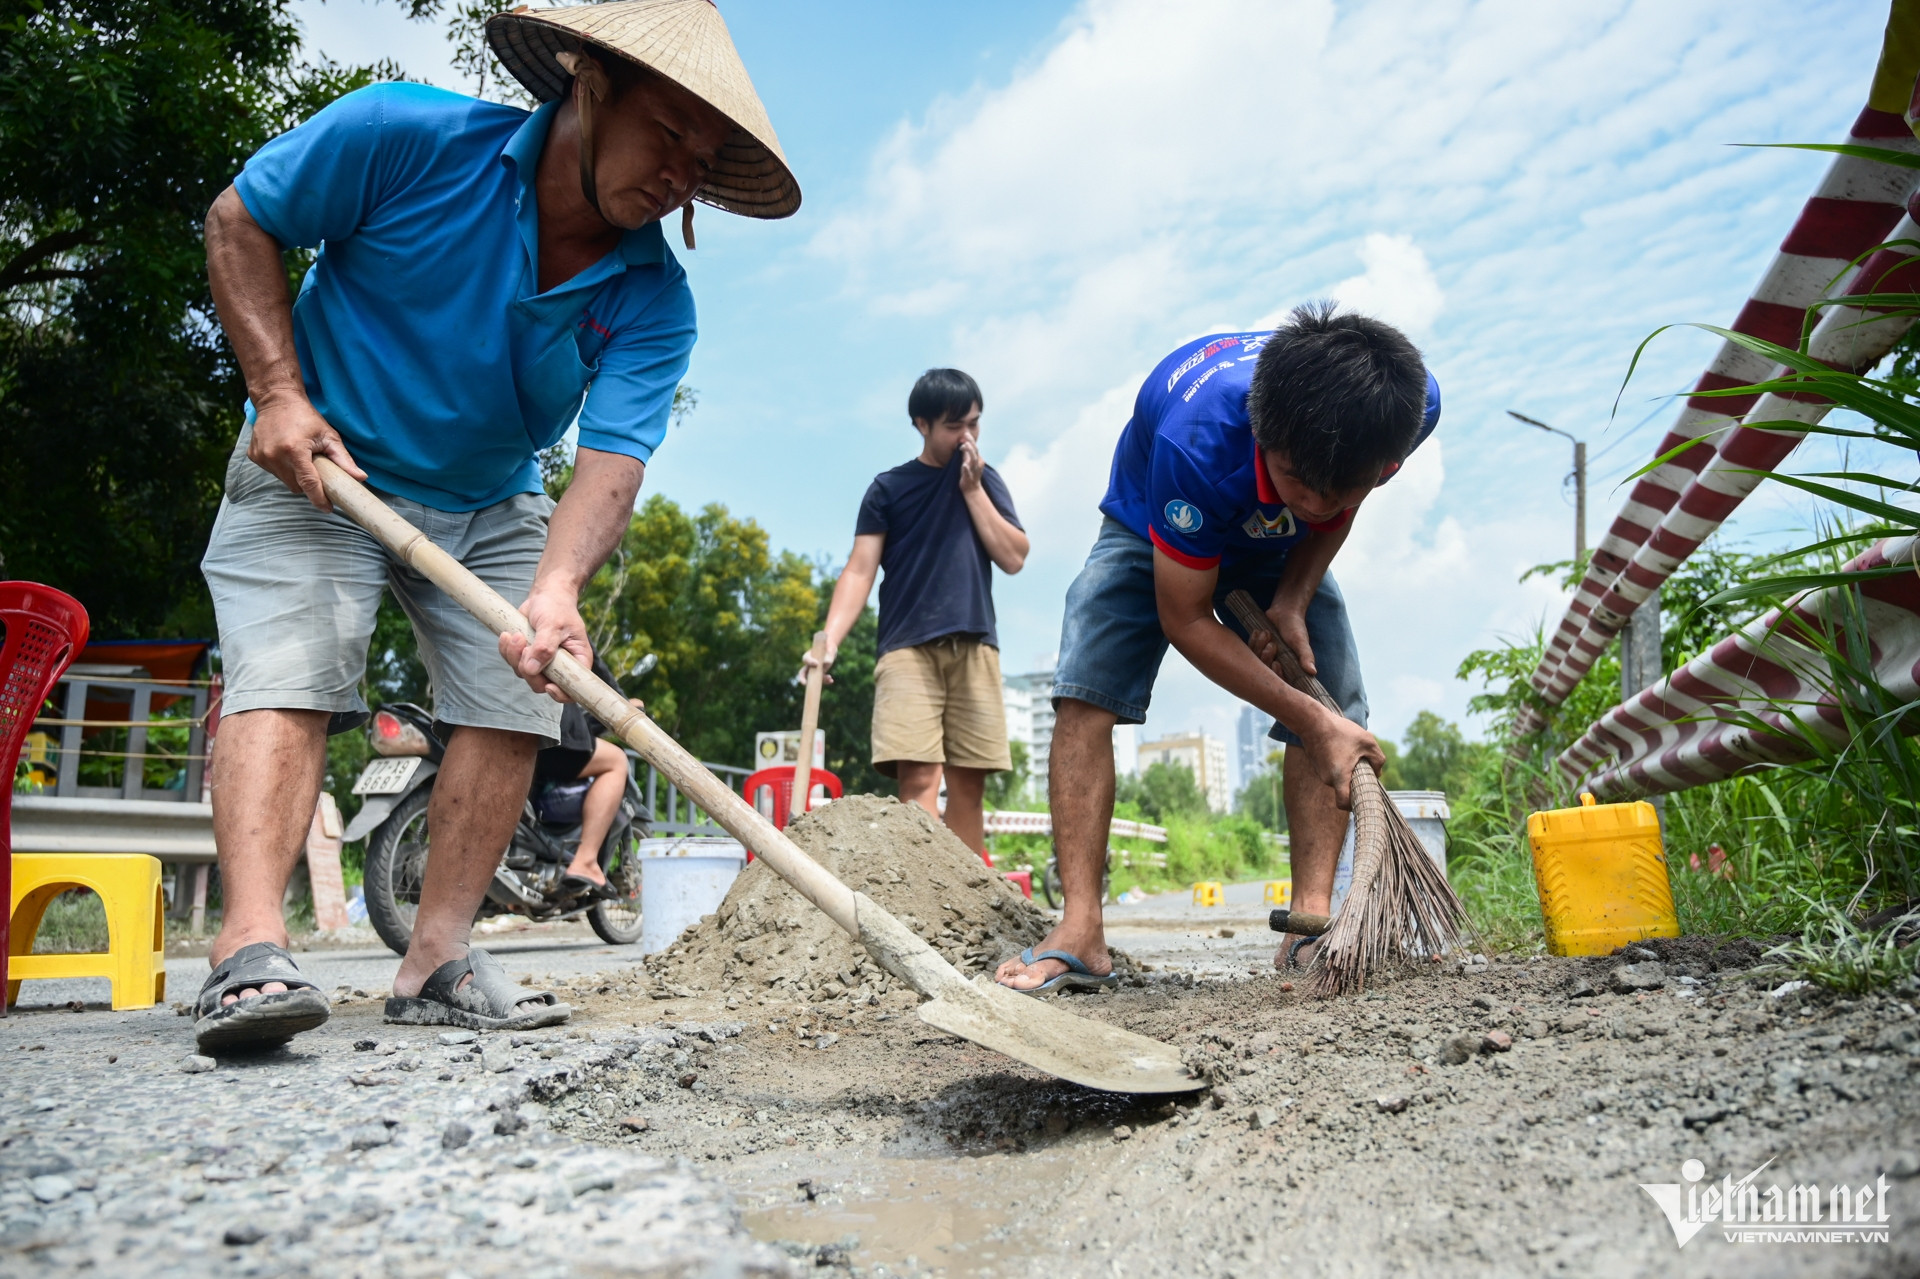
x=683 y=40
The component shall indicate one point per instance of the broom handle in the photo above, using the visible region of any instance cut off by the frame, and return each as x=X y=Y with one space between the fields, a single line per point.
x=809 y=724
x=1287 y=666
x=1287 y=662
x=737 y=817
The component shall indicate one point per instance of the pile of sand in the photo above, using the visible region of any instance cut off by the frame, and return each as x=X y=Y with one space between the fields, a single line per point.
x=766 y=938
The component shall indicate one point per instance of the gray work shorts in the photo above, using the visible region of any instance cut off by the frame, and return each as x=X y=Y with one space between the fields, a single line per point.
x=295 y=592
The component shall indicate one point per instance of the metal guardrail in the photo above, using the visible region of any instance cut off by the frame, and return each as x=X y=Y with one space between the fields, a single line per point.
x=1016 y=823
x=139 y=723
x=170 y=831
x=675 y=814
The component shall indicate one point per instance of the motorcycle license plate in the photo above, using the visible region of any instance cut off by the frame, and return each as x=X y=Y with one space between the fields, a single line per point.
x=387 y=776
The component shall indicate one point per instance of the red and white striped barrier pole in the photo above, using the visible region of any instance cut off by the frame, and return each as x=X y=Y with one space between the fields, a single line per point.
x=1853 y=208
x=1847 y=337
x=1757 y=697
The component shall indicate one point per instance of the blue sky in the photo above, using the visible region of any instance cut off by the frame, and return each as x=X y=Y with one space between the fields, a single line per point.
x=1053 y=195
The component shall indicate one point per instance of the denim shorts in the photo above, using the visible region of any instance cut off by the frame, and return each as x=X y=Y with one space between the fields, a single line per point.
x=1111 y=643
x=295 y=592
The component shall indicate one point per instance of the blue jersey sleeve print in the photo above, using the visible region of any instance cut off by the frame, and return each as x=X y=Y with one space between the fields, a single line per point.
x=1184 y=518
x=323 y=179
x=631 y=399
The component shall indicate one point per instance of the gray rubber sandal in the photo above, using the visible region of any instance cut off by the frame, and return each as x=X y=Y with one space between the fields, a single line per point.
x=259 y=1021
x=488 y=1002
x=1077 y=977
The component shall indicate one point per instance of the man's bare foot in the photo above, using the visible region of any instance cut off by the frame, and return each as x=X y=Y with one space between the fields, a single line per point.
x=222 y=948
x=588 y=868
x=420 y=964
x=1286 y=957
x=1089 y=945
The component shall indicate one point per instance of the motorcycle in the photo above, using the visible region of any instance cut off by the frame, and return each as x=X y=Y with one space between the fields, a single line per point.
x=397 y=788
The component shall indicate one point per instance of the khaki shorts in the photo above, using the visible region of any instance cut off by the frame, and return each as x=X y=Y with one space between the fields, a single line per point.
x=940 y=703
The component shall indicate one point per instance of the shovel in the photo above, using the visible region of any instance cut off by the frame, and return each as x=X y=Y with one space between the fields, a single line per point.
x=809 y=724
x=1077 y=1049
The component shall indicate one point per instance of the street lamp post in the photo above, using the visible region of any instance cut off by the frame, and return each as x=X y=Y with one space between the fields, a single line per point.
x=1579 y=482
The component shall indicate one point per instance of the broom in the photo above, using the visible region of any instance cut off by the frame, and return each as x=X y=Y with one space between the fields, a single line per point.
x=1400 y=905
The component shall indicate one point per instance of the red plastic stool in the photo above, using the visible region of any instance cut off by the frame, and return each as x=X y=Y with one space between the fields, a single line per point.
x=41 y=632
x=780 y=782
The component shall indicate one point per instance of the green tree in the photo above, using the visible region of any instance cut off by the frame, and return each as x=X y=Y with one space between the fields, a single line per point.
x=727 y=618
x=1164 y=791
x=1437 y=756
x=119 y=124
x=1262 y=796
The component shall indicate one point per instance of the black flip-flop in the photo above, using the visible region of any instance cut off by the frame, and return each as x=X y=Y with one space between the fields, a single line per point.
x=581 y=886
x=485 y=1003
x=259 y=1021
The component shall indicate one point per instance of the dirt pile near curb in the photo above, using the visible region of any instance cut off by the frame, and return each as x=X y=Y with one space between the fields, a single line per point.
x=767 y=939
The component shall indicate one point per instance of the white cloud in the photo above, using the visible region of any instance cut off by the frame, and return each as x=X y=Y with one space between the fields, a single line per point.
x=1398 y=285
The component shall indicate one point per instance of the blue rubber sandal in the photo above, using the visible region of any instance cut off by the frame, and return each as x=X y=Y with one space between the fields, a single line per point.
x=1077 y=977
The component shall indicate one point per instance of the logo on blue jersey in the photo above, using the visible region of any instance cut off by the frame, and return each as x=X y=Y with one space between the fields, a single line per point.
x=1184 y=516
x=1259 y=526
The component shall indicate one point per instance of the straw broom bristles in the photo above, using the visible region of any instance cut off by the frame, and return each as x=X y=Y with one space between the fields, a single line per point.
x=1400 y=905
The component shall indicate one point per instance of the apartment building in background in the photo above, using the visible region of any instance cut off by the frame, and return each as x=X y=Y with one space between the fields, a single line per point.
x=1206 y=756
x=1029 y=702
x=1254 y=744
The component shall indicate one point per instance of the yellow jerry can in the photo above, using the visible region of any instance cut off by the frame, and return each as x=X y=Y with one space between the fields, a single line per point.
x=1602 y=873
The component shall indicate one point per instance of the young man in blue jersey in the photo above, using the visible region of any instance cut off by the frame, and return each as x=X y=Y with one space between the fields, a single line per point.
x=1245 y=461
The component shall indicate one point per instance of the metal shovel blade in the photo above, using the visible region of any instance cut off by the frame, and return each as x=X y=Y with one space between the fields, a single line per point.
x=1078 y=1049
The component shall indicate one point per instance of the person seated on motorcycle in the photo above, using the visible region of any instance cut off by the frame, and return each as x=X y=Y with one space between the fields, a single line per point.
x=582 y=753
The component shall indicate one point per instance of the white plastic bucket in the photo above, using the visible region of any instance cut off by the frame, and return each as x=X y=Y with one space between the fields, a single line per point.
x=1425 y=810
x=681 y=880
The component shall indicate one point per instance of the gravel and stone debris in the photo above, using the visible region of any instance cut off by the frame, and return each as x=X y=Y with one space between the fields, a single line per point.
x=279 y=1164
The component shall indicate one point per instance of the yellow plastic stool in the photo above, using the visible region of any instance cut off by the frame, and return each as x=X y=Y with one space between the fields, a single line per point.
x=1207 y=893
x=135 y=960
x=1602 y=874
x=1279 y=892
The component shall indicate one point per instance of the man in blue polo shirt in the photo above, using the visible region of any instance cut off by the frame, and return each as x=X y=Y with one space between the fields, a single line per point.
x=486 y=277
x=1242 y=468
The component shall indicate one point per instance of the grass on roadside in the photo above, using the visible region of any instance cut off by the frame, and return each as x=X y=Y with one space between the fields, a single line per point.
x=1848 y=958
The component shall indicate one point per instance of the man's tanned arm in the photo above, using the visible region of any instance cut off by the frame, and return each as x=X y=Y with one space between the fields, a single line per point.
x=589 y=522
x=1334 y=743
x=1006 y=544
x=1301 y=577
x=250 y=292
x=850 y=595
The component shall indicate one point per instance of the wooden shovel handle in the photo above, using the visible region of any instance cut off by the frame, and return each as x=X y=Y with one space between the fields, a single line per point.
x=738 y=818
x=809 y=725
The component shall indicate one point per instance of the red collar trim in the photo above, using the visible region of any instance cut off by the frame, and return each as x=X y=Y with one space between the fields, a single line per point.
x=1263 y=483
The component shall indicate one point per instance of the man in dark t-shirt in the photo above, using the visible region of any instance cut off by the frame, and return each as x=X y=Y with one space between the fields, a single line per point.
x=937 y=525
